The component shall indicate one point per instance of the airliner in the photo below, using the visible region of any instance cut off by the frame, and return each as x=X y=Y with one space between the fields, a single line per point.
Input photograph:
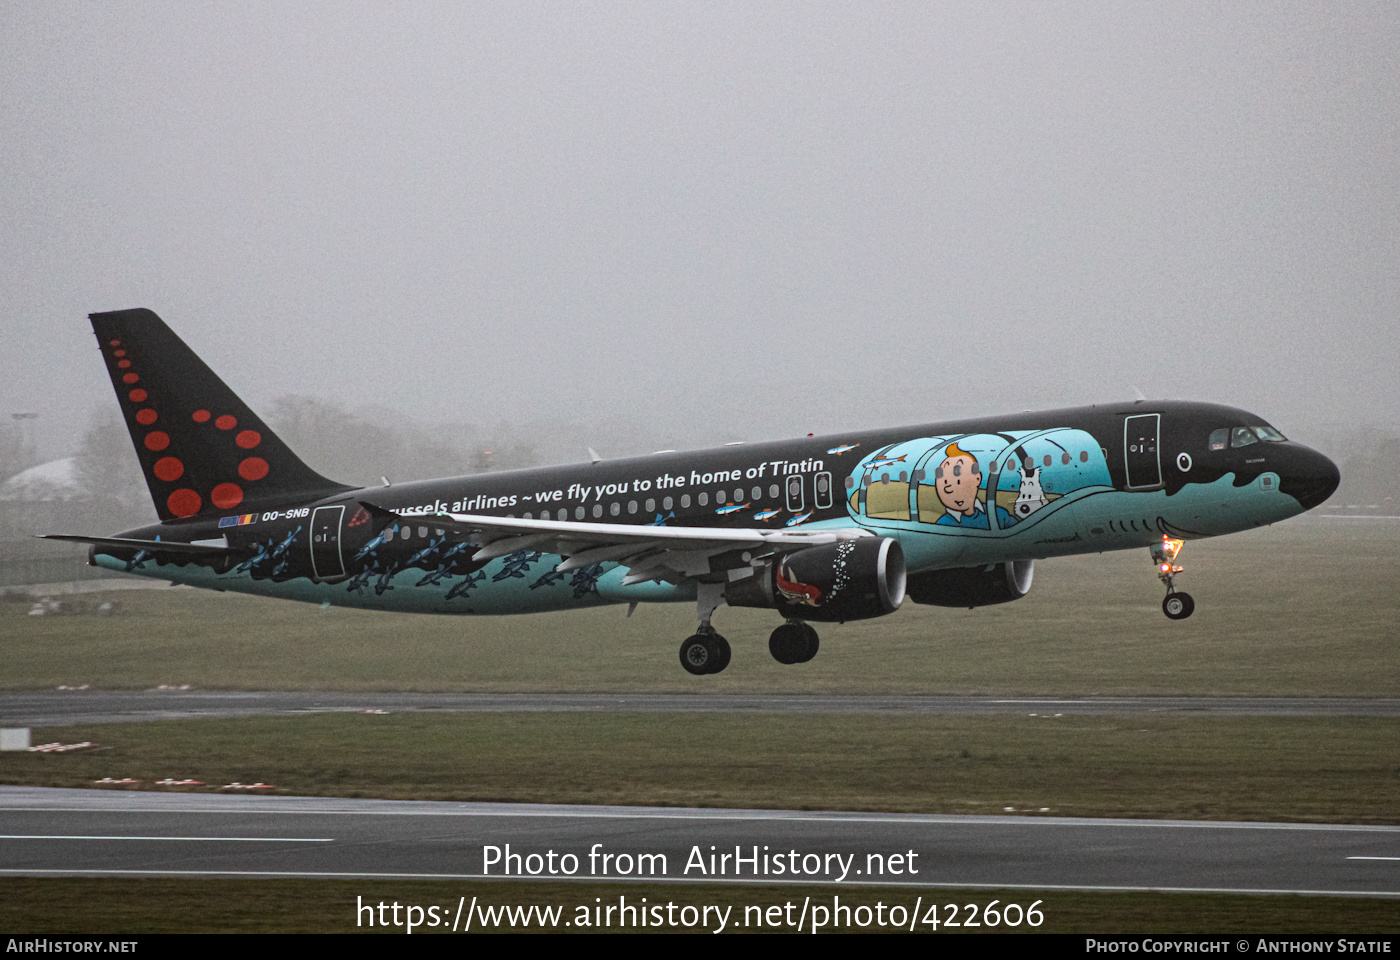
x=818 y=529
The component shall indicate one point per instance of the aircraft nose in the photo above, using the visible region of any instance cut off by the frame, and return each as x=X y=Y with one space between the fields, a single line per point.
x=1309 y=477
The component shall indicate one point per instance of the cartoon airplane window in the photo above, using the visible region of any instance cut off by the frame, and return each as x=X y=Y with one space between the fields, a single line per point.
x=823 y=484
x=794 y=493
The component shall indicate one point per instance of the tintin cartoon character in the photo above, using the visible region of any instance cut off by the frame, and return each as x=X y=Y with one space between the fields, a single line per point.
x=957 y=481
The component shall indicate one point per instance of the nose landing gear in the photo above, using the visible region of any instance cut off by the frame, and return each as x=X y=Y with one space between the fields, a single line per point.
x=1177 y=605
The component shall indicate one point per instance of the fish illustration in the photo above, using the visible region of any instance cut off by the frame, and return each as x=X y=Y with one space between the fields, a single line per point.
x=843 y=448
x=798 y=519
x=766 y=515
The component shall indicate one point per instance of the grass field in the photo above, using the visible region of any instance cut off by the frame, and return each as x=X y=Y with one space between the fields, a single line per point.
x=1234 y=768
x=1306 y=608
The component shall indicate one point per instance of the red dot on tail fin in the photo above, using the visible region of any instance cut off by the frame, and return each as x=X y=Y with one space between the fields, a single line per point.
x=129 y=378
x=248 y=439
x=226 y=422
x=157 y=440
x=226 y=495
x=184 y=502
x=137 y=396
x=254 y=468
x=169 y=469
x=146 y=417
x=201 y=416
x=123 y=363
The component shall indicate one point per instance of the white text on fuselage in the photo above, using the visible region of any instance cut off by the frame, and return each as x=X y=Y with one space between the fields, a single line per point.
x=589 y=493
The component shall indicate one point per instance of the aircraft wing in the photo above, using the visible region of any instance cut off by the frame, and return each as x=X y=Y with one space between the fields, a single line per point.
x=650 y=552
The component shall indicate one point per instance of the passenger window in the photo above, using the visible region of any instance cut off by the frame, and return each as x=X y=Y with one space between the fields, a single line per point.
x=757 y=493
x=563 y=513
x=1219 y=439
x=738 y=495
x=651 y=504
x=615 y=508
x=1242 y=437
x=665 y=505
x=631 y=506
x=578 y=513
x=823 y=485
x=1083 y=456
x=794 y=493
x=685 y=501
x=597 y=510
x=703 y=499
x=773 y=490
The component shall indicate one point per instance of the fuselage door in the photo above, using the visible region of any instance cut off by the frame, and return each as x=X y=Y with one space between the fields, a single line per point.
x=326 y=562
x=1144 y=466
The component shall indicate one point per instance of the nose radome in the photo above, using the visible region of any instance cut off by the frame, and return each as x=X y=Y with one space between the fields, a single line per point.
x=1310 y=478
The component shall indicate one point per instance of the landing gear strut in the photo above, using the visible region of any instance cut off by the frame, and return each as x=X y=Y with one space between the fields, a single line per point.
x=793 y=642
x=706 y=651
x=1177 y=605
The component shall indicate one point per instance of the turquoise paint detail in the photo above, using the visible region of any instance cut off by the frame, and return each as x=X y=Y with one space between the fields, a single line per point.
x=589 y=587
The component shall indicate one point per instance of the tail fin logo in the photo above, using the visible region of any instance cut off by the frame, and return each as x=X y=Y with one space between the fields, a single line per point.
x=185 y=501
x=201 y=447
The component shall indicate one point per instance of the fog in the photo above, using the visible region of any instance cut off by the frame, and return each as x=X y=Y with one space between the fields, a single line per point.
x=631 y=226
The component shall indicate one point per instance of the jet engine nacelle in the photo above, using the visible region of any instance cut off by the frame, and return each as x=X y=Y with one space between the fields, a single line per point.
x=973 y=586
x=849 y=580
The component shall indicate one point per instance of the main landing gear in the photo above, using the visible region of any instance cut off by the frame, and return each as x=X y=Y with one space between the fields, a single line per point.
x=793 y=642
x=1177 y=605
x=706 y=651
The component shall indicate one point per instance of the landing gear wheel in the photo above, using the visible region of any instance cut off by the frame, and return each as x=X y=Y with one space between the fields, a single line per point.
x=705 y=653
x=697 y=656
x=793 y=642
x=1178 y=606
x=720 y=648
x=787 y=643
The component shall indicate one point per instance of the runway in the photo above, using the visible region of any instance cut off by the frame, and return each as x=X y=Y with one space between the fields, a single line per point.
x=51 y=832
x=46 y=708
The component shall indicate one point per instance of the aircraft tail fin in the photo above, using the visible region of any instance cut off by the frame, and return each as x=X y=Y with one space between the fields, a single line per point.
x=202 y=449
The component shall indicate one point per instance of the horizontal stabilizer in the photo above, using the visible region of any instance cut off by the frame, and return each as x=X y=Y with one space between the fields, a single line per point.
x=150 y=546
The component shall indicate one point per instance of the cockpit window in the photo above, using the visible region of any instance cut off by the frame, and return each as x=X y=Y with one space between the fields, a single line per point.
x=1220 y=439
x=1269 y=433
x=1242 y=437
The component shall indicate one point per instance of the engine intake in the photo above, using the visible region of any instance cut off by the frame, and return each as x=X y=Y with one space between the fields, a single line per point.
x=973 y=586
x=850 y=580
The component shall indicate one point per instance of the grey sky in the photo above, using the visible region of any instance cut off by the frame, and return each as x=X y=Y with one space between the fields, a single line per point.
x=781 y=218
